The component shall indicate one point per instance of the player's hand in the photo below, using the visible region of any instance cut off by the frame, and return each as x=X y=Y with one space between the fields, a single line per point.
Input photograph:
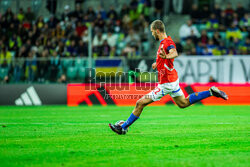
x=163 y=54
x=154 y=66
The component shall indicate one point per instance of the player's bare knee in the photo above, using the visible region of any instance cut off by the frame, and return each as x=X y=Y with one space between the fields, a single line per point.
x=183 y=104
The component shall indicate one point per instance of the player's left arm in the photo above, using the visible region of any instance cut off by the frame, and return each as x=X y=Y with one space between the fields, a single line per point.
x=172 y=53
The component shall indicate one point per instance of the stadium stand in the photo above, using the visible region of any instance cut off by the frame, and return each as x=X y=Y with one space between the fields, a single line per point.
x=52 y=43
x=223 y=32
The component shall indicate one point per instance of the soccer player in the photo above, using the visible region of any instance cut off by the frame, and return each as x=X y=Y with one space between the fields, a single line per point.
x=168 y=80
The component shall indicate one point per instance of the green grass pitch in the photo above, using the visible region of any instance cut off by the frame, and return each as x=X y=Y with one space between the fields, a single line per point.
x=163 y=136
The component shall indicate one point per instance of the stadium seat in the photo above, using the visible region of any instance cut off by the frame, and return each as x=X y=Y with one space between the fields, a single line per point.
x=223 y=35
x=71 y=72
x=79 y=62
x=244 y=35
x=82 y=72
x=183 y=42
x=203 y=27
x=3 y=72
x=210 y=35
x=67 y=62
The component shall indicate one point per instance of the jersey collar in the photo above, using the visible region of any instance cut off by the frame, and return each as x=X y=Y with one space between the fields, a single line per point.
x=162 y=40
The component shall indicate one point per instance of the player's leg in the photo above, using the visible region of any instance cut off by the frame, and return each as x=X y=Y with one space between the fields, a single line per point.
x=183 y=102
x=140 y=104
x=154 y=95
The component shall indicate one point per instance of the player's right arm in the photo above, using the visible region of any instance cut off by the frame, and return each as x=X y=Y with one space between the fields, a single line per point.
x=171 y=55
x=154 y=65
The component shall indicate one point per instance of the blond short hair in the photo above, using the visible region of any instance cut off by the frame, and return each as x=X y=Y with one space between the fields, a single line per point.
x=158 y=25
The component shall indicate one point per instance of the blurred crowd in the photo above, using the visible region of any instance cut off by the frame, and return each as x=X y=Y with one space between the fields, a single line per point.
x=216 y=31
x=115 y=33
x=49 y=41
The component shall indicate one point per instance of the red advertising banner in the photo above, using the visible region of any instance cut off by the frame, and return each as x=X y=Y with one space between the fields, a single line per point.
x=127 y=94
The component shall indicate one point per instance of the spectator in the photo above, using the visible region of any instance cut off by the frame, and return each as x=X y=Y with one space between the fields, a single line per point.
x=97 y=44
x=235 y=19
x=240 y=10
x=112 y=41
x=105 y=49
x=11 y=30
x=204 y=37
x=233 y=32
x=31 y=67
x=133 y=4
x=132 y=39
x=199 y=48
x=102 y=12
x=99 y=22
x=193 y=51
x=54 y=66
x=217 y=38
x=58 y=32
x=124 y=11
x=212 y=48
x=229 y=10
x=5 y=57
x=231 y=51
x=224 y=21
x=126 y=23
x=29 y=15
x=158 y=12
x=112 y=14
x=245 y=23
x=188 y=47
x=204 y=15
x=14 y=43
x=186 y=29
x=63 y=79
x=222 y=49
x=234 y=43
x=20 y=15
x=6 y=79
x=82 y=49
x=66 y=13
x=212 y=23
x=80 y=28
x=132 y=42
x=71 y=49
x=145 y=9
x=91 y=14
x=206 y=52
x=8 y=16
x=245 y=48
x=52 y=23
x=193 y=37
x=217 y=11
x=40 y=22
x=42 y=66
x=75 y=37
x=18 y=65
x=211 y=79
x=78 y=13
x=60 y=49
x=195 y=14
x=144 y=35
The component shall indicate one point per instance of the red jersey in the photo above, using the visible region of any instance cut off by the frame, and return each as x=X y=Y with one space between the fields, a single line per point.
x=165 y=67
